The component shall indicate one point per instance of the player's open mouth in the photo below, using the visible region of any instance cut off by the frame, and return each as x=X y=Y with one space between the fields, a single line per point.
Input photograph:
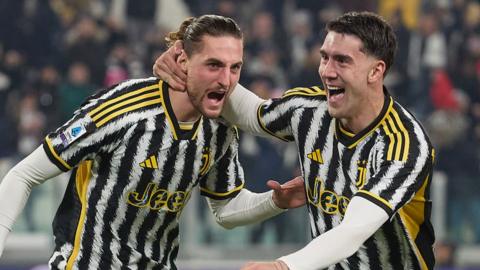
x=332 y=90
x=335 y=94
x=216 y=96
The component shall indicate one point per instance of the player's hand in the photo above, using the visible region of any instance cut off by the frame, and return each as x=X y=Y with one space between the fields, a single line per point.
x=289 y=195
x=276 y=265
x=167 y=68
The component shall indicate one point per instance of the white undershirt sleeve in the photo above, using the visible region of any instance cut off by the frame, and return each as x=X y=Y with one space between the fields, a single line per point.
x=362 y=219
x=16 y=186
x=245 y=208
x=241 y=110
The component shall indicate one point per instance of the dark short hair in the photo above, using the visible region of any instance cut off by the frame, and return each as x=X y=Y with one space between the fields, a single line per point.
x=193 y=29
x=375 y=33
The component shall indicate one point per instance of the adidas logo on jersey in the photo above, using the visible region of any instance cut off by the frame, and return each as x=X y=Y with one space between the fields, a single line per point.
x=316 y=156
x=150 y=163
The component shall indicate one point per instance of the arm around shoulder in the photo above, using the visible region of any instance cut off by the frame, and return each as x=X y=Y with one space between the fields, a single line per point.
x=241 y=110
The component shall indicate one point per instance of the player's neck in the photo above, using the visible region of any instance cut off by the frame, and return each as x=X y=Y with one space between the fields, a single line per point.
x=182 y=106
x=367 y=113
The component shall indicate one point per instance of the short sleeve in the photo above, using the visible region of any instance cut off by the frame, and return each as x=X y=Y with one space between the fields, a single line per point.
x=225 y=178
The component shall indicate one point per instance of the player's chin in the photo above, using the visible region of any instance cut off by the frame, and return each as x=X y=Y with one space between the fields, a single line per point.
x=212 y=113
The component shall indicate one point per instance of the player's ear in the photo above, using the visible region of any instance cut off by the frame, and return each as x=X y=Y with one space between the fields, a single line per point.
x=376 y=72
x=182 y=60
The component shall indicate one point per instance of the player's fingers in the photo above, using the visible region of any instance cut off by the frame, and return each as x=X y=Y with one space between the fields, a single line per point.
x=174 y=82
x=274 y=185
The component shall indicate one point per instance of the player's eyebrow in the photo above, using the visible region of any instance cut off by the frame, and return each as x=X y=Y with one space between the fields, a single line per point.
x=337 y=56
x=221 y=63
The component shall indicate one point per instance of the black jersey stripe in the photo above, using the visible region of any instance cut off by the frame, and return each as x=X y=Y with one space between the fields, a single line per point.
x=393 y=228
x=264 y=127
x=152 y=216
x=83 y=175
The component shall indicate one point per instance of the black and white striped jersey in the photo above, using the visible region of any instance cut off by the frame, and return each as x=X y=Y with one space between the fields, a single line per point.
x=390 y=163
x=134 y=168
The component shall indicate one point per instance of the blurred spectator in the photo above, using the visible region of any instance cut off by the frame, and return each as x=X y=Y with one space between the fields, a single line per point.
x=86 y=43
x=300 y=33
x=427 y=52
x=397 y=80
x=74 y=89
x=117 y=65
x=264 y=34
x=307 y=74
x=46 y=89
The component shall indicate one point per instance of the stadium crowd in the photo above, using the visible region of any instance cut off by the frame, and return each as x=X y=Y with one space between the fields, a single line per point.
x=54 y=53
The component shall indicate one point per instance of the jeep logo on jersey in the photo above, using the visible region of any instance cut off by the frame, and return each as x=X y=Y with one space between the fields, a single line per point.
x=328 y=201
x=156 y=198
x=205 y=161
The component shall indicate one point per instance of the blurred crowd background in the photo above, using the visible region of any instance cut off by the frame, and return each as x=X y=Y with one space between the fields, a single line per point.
x=54 y=53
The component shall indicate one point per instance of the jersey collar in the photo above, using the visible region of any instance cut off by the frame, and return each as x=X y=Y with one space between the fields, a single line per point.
x=351 y=140
x=177 y=132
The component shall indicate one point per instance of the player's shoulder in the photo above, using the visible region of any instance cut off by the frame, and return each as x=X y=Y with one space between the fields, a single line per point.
x=310 y=92
x=403 y=132
x=131 y=88
x=143 y=96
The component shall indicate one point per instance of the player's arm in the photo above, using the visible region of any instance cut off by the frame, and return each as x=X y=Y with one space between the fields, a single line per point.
x=249 y=207
x=16 y=186
x=241 y=109
x=362 y=219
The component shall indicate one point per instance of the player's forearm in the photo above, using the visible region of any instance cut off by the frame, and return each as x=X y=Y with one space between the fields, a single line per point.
x=241 y=110
x=246 y=208
x=16 y=186
x=361 y=221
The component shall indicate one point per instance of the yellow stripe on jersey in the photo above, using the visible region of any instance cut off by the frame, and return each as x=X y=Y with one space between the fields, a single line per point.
x=378 y=198
x=395 y=137
x=52 y=150
x=304 y=91
x=224 y=193
x=406 y=145
x=392 y=141
x=390 y=106
x=185 y=126
x=82 y=178
x=167 y=115
x=198 y=128
x=347 y=133
x=125 y=99
x=123 y=103
x=413 y=216
x=124 y=96
x=128 y=109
